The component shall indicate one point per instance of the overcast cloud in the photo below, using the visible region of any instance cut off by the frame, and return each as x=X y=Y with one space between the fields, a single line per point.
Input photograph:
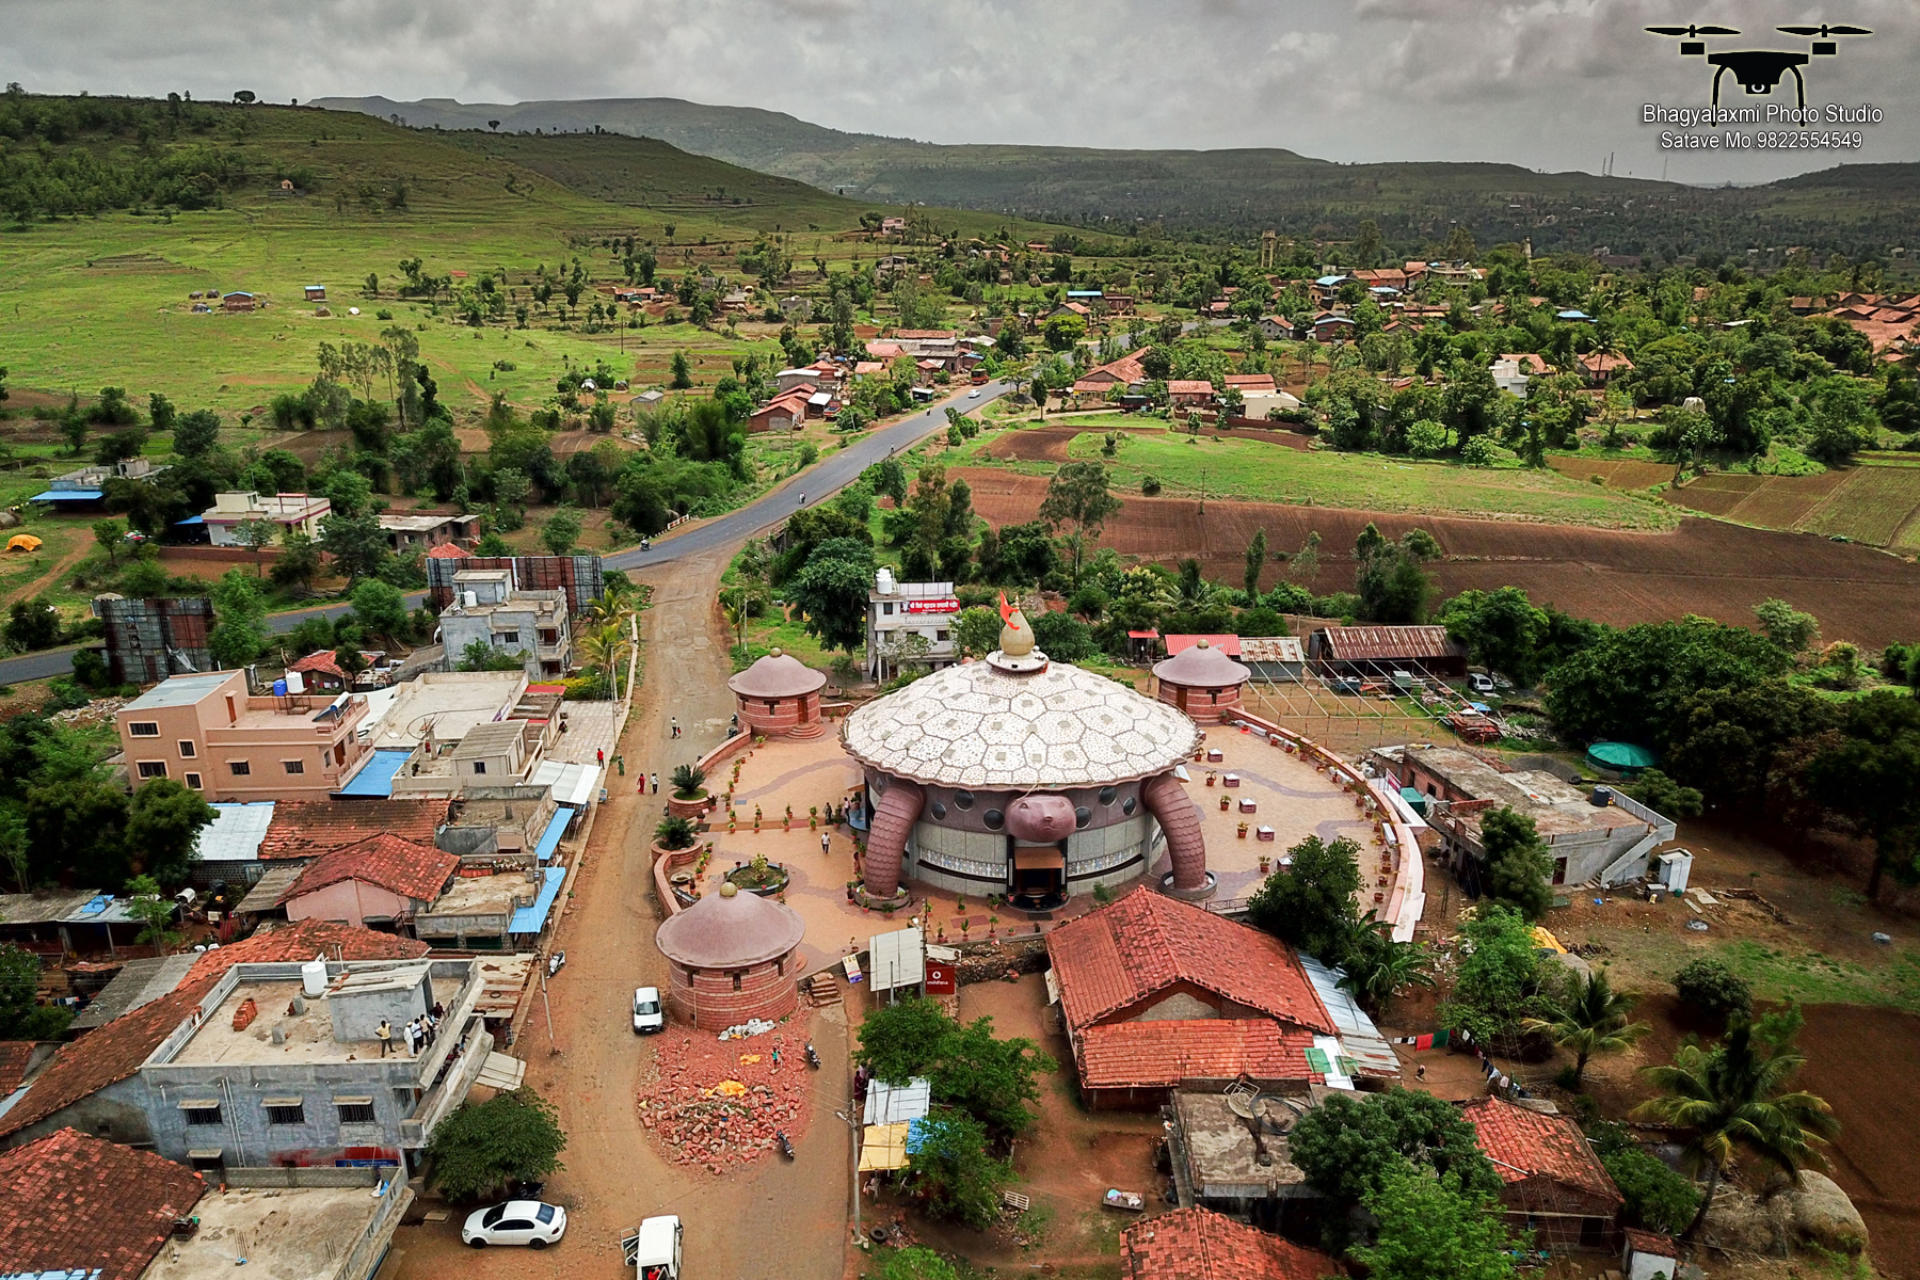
x=1551 y=84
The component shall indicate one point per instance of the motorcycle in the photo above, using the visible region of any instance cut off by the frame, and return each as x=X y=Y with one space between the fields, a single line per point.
x=556 y=962
x=786 y=1144
x=813 y=1059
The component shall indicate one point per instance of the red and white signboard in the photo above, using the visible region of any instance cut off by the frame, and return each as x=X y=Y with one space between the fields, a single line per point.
x=942 y=980
x=946 y=604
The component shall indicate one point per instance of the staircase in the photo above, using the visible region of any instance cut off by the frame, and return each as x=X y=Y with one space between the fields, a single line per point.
x=821 y=990
x=808 y=729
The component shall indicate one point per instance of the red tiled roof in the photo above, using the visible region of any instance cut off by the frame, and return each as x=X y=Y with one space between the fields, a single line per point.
x=303 y=940
x=923 y=335
x=1380 y=644
x=105 y=1056
x=321 y=660
x=448 y=551
x=15 y=1057
x=1600 y=362
x=309 y=828
x=1199 y=1244
x=1161 y=1052
x=1528 y=361
x=1251 y=381
x=1527 y=1144
x=1127 y=370
x=1189 y=387
x=74 y=1202
x=1176 y=643
x=1119 y=955
x=404 y=867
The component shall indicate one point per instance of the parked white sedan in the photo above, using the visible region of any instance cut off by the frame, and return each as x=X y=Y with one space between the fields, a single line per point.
x=528 y=1222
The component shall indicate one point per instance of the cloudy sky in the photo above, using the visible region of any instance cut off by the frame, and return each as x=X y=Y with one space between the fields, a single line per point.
x=1551 y=84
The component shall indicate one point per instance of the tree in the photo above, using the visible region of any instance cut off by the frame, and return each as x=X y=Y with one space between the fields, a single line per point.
x=1077 y=496
x=1665 y=796
x=1657 y=1198
x=1502 y=631
x=1392 y=586
x=483 y=1146
x=1310 y=903
x=256 y=536
x=1632 y=684
x=298 y=561
x=1349 y=1146
x=965 y=1066
x=1594 y=1019
x=682 y=372
x=481 y=656
x=1735 y=1097
x=1709 y=987
x=357 y=544
x=952 y=1169
x=1518 y=868
x=1427 y=1226
x=154 y=913
x=1367 y=244
x=1867 y=779
x=22 y=1016
x=1256 y=561
x=196 y=434
x=561 y=532
x=381 y=609
x=111 y=535
x=1501 y=981
x=238 y=635
x=1378 y=968
x=164 y=821
x=33 y=624
x=1063 y=333
x=1793 y=631
x=976 y=631
x=831 y=590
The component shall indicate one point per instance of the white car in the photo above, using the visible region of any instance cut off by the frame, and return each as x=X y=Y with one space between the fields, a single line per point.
x=974 y=394
x=1479 y=682
x=528 y=1222
x=647 y=1014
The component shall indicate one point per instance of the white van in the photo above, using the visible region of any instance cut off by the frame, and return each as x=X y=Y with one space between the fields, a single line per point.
x=1479 y=682
x=647 y=1015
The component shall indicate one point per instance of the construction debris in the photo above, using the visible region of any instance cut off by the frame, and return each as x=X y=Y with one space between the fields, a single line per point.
x=718 y=1104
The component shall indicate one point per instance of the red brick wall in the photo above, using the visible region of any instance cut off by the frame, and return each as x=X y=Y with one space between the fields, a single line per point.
x=785 y=714
x=708 y=1000
x=1203 y=706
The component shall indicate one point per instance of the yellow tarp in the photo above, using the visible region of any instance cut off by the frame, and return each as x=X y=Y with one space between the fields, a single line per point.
x=883 y=1146
x=731 y=1088
x=1546 y=941
x=23 y=542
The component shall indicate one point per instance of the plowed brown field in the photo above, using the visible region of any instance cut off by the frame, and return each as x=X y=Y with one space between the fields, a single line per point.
x=1616 y=473
x=1704 y=566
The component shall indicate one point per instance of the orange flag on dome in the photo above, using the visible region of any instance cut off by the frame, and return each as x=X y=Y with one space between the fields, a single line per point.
x=1007 y=611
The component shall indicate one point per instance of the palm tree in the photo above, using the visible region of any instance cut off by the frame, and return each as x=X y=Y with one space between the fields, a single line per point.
x=1594 y=1021
x=1378 y=968
x=1734 y=1097
x=605 y=647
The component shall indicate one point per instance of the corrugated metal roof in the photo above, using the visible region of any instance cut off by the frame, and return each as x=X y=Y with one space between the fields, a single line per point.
x=235 y=833
x=898 y=1103
x=1346 y=644
x=1360 y=1039
x=1271 y=649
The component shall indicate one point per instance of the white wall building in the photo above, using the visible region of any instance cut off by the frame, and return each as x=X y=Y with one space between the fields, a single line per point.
x=897 y=612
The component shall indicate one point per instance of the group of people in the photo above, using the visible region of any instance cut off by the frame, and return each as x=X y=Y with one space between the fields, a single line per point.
x=417 y=1034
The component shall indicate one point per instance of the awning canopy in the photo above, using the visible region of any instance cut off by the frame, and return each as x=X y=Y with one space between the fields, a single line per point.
x=898 y=1103
x=501 y=1071
x=883 y=1146
x=550 y=838
x=1039 y=860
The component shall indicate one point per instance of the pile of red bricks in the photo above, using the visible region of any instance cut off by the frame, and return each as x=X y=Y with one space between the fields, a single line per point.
x=696 y=1124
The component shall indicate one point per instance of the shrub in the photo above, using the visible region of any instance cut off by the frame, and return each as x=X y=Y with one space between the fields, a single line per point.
x=1665 y=796
x=1710 y=987
x=674 y=834
x=1658 y=1198
x=689 y=782
x=1483 y=452
x=1150 y=486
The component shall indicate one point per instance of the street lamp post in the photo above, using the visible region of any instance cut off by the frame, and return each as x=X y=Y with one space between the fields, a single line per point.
x=854 y=1142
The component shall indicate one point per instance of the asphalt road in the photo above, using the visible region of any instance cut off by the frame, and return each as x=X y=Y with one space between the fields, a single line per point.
x=840 y=469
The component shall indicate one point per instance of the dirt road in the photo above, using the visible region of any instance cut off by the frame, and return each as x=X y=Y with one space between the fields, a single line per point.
x=773 y=1219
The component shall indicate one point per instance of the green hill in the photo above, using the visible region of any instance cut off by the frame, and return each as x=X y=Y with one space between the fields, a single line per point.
x=1238 y=192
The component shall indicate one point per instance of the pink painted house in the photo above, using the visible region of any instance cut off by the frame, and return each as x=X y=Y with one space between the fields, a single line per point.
x=383 y=880
x=206 y=732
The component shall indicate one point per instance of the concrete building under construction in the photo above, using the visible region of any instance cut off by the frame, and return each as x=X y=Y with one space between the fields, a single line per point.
x=149 y=640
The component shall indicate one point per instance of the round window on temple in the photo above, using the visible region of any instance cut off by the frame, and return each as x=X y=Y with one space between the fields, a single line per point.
x=963 y=799
x=1107 y=794
x=939 y=811
x=1128 y=805
x=994 y=819
x=1082 y=816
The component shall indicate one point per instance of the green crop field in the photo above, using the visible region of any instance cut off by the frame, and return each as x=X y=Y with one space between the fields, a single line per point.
x=1256 y=470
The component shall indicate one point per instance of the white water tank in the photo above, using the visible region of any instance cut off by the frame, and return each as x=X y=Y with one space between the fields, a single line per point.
x=883 y=582
x=470 y=598
x=313 y=977
x=296 y=682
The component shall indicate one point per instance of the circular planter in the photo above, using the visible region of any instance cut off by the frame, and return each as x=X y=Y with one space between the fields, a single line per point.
x=901 y=898
x=661 y=851
x=777 y=880
x=694 y=808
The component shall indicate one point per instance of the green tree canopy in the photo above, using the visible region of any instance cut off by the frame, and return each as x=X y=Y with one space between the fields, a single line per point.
x=1351 y=1144
x=164 y=821
x=1631 y=685
x=1501 y=981
x=1078 y=498
x=238 y=635
x=831 y=590
x=1426 y=1226
x=965 y=1065
x=483 y=1146
x=1310 y=904
x=1518 y=867
x=953 y=1170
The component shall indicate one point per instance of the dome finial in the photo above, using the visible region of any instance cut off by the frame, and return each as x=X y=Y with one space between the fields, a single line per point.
x=1016 y=636
x=728 y=888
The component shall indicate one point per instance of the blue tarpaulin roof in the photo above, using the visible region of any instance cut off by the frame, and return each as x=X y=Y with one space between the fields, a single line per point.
x=534 y=918
x=550 y=838
x=69 y=495
x=192 y=520
x=375 y=778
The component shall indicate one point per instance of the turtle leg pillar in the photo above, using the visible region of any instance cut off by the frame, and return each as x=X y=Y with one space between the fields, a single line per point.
x=1170 y=805
x=893 y=818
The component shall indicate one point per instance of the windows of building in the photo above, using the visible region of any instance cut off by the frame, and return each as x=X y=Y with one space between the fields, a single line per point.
x=201 y=1111
x=211 y=1161
x=153 y=768
x=285 y=1110
x=241 y=768
x=294 y=766
x=504 y=638
x=479 y=767
x=355 y=1110
x=143 y=729
x=193 y=782
x=187 y=750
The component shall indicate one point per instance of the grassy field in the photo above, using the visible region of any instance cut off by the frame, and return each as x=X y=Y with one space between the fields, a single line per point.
x=1259 y=471
x=1876 y=501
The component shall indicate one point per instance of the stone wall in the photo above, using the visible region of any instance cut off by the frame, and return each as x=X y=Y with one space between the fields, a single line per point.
x=709 y=999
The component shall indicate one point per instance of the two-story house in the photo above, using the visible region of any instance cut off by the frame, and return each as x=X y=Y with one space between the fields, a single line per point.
x=208 y=733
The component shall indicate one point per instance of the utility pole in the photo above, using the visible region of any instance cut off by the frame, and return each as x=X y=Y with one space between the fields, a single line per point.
x=853 y=1141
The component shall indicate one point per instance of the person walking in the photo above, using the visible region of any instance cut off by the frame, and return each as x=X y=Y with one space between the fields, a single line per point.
x=384 y=1034
x=675 y=723
x=656 y=784
x=824 y=843
x=600 y=756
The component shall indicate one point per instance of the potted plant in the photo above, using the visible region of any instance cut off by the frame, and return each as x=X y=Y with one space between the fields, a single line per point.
x=690 y=798
x=813 y=817
x=673 y=835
